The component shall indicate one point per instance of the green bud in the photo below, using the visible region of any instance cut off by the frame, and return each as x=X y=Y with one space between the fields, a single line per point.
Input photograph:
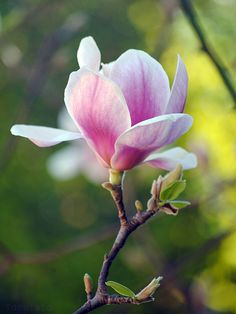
x=138 y=205
x=171 y=177
x=147 y=293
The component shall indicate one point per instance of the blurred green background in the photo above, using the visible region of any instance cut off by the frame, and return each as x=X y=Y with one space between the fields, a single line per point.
x=53 y=231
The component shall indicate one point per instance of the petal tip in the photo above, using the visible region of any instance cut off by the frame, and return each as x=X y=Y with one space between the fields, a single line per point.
x=12 y=130
x=88 y=54
x=15 y=129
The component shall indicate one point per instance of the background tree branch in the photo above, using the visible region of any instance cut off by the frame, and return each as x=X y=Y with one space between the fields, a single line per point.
x=191 y=15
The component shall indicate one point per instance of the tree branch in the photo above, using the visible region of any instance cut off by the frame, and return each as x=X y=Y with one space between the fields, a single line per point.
x=117 y=195
x=224 y=73
x=102 y=297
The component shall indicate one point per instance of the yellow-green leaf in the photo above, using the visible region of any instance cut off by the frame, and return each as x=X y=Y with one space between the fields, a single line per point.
x=173 y=191
x=123 y=290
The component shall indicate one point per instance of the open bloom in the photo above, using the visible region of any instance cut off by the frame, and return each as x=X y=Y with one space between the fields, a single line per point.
x=125 y=111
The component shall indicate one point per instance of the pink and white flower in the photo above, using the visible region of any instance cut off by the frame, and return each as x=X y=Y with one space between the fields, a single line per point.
x=125 y=111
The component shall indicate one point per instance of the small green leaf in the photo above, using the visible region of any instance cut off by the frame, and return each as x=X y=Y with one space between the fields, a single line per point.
x=173 y=191
x=123 y=290
x=180 y=204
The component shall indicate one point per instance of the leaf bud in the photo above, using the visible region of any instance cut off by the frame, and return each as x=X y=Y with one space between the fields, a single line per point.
x=88 y=284
x=147 y=293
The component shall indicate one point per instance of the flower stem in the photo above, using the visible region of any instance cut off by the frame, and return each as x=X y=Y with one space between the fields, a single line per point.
x=116 y=177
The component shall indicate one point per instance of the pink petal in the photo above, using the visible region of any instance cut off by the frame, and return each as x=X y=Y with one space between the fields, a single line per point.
x=98 y=107
x=134 y=145
x=143 y=82
x=169 y=159
x=43 y=136
x=88 y=54
x=179 y=89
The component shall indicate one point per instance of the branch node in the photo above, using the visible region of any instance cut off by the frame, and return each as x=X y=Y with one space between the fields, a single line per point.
x=108 y=186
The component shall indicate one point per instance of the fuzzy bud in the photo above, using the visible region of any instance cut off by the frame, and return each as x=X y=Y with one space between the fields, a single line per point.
x=172 y=177
x=88 y=284
x=138 y=205
x=147 y=293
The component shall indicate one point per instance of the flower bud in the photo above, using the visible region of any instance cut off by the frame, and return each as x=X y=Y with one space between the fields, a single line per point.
x=138 y=205
x=147 y=293
x=88 y=284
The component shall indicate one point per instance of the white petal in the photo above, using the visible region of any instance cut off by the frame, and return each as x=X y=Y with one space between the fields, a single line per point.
x=88 y=54
x=179 y=89
x=44 y=136
x=107 y=68
x=66 y=163
x=169 y=159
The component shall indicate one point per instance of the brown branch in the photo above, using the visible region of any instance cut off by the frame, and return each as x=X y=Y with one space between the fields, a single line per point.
x=102 y=297
x=117 y=195
x=190 y=13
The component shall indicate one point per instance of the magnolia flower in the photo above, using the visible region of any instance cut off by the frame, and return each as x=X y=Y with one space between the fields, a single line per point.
x=125 y=111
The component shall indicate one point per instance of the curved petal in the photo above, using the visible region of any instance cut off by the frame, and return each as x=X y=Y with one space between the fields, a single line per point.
x=143 y=82
x=98 y=107
x=88 y=54
x=134 y=145
x=179 y=89
x=44 y=136
x=169 y=159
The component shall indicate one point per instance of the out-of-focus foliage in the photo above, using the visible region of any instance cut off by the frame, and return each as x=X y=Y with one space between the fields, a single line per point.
x=195 y=251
